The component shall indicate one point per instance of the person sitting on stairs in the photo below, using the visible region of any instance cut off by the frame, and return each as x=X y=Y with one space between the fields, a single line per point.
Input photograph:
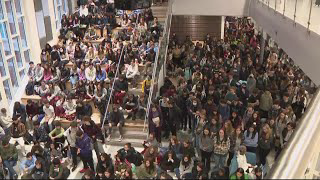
x=131 y=105
x=116 y=118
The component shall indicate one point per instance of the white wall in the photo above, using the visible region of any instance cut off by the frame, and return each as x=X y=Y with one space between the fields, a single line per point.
x=301 y=46
x=210 y=7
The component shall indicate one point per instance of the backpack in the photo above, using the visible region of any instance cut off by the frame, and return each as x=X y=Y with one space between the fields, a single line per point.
x=30 y=89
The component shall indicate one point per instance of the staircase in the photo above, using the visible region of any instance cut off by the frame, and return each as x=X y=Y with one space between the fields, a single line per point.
x=160 y=11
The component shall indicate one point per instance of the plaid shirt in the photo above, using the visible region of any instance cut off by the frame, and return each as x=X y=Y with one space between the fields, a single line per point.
x=221 y=147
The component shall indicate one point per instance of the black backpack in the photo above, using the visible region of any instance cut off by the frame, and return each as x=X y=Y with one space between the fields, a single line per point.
x=30 y=89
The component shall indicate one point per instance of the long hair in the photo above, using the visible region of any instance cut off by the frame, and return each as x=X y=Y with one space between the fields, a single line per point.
x=151 y=167
x=254 y=131
x=186 y=163
x=266 y=135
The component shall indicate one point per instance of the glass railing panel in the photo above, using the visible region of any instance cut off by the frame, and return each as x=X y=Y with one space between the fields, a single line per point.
x=315 y=16
x=289 y=8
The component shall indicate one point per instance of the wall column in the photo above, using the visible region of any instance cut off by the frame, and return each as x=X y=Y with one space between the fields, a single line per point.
x=222 y=26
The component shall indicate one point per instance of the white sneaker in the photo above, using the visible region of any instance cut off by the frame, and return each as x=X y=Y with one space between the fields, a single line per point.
x=120 y=139
x=108 y=138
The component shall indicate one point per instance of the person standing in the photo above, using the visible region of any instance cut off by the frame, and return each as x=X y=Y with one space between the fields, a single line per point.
x=94 y=132
x=221 y=144
x=83 y=143
x=71 y=134
x=206 y=147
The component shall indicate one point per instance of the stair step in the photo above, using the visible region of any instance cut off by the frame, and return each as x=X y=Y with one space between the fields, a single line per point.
x=134 y=142
x=130 y=134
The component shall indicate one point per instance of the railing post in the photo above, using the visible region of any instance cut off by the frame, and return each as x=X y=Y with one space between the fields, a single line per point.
x=284 y=7
x=309 y=17
x=295 y=12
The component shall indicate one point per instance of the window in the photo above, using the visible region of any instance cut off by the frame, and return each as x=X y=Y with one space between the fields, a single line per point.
x=5 y=39
x=1 y=12
x=22 y=73
x=17 y=52
x=2 y=68
x=27 y=56
x=10 y=17
x=65 y=6
x=13 y=76
x=22 y=32
x=6 y=86
x=18 y=7
x=57 y=12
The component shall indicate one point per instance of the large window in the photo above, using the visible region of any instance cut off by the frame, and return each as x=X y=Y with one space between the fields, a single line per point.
x=13 y=74
x=22 y=32
x=58 y=12
x=10 y=17
x=18 y=7
x=5 y=38
x=7 y=90
x=2 y=67
x=17 y=52
x=14 y=50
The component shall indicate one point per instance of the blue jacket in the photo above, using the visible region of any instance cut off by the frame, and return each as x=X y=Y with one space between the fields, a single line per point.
x=249 y=141
x=28 y=163
x=84 y=144
x=102 y=76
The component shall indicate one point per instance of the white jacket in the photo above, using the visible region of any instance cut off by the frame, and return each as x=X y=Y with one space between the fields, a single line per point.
x=242 y=162
x=90 y=74
x=5 y=120
x=132 y=71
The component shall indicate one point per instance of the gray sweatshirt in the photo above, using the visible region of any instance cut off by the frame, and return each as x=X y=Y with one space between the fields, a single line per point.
x=206 y=143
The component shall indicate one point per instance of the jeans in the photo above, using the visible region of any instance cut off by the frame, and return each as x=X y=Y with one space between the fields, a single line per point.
x=87 y=160
x=73 y=151
x=10 y=164
x=219 y=161
x=184 y=176
x=263 y=153
x=206 y=159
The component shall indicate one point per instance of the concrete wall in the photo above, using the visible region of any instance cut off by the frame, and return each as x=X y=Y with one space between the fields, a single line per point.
x=301 y=46
x=210 y=7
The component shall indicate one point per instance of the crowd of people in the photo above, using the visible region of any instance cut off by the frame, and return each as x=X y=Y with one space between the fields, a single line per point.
x=73 y=77
x=235 y=106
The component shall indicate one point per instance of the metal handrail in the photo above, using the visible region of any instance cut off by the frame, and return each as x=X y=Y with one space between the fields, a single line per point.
x=112 y=88
x=293 y=160
x=155 y=67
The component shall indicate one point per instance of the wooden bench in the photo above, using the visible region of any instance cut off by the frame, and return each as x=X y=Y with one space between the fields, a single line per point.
x=25 y=98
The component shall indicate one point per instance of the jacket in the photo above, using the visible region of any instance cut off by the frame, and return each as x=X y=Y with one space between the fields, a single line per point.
x=40 y=134
x=185 y=169
x=116 y=117
x=266 y=102
x=8 y=152
x=221 y=148
x=21 y=128
x=92 y=130
x=29 y=164
x=142 y=173
x=169 y=165
x=206 y=143
x=84 y=144
x=5 y=120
